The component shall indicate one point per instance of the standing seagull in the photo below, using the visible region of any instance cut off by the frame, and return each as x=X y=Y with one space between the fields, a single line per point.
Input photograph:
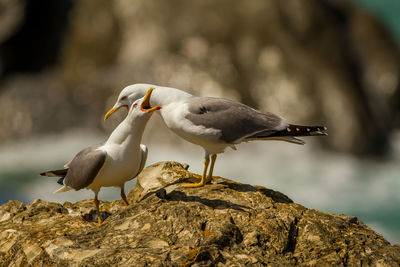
x=118 y=160
x=214 y=123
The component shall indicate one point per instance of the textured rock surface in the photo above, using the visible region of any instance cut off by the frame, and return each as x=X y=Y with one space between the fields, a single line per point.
x=223 y=224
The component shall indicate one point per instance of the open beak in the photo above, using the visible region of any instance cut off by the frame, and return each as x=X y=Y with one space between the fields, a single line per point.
x=111 y=111
x=145 y=106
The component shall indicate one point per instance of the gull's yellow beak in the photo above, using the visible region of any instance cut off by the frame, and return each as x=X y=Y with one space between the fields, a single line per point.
x=111 y=111
x=145 y=106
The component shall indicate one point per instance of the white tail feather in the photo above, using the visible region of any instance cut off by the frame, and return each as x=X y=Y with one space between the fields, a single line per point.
x=49 y=174
x=293 y=140
x=63 y=189
x=289 y=139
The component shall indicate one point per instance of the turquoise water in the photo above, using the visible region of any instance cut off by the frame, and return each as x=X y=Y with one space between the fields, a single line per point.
x=387 y=10
x=315 y=178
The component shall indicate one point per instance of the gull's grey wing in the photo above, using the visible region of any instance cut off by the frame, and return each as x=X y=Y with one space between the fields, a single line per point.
x=67 y=165
x=233 y=119
x=85 y=167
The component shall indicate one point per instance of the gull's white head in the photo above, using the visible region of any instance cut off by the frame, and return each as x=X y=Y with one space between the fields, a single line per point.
x=132 y=99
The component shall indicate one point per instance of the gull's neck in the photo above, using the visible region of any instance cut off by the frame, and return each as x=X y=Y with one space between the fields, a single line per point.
x=162 y=96
x=129 y=132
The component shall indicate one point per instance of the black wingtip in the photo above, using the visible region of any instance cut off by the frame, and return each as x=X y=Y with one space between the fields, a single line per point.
x=55 y=173
x=61 y=181
x=300 y=130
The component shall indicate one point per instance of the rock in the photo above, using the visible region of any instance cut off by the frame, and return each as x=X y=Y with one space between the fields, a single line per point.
x=222 y=224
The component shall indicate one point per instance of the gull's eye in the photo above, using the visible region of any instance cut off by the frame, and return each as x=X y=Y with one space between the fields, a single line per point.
x=123 y=98
x=134 y=105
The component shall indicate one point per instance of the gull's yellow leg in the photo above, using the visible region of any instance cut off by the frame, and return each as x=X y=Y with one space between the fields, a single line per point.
x=210 y=173
x=96 y=203
x=123 y=196
x=203 y=177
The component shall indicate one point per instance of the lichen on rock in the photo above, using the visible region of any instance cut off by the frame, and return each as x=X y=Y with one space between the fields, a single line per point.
x=222 y=224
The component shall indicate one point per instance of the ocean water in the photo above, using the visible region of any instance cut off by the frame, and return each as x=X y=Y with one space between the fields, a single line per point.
x=315 y=178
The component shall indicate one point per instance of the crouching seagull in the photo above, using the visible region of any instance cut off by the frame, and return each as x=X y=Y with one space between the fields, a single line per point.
x=114 y=162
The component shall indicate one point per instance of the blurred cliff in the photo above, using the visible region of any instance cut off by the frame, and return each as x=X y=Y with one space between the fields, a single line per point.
x=63 y=63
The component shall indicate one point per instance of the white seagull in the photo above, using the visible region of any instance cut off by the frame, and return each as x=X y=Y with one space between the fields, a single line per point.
x=118 y=160
x=214 y=123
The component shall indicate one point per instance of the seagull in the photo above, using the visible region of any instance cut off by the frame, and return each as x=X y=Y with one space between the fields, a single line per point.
x=214 y=123
x=114 y=162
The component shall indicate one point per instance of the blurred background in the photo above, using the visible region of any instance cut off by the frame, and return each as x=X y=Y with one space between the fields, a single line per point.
x=330 y=62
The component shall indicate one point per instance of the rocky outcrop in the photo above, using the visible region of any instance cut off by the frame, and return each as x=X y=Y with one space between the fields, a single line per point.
x=222 y=224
